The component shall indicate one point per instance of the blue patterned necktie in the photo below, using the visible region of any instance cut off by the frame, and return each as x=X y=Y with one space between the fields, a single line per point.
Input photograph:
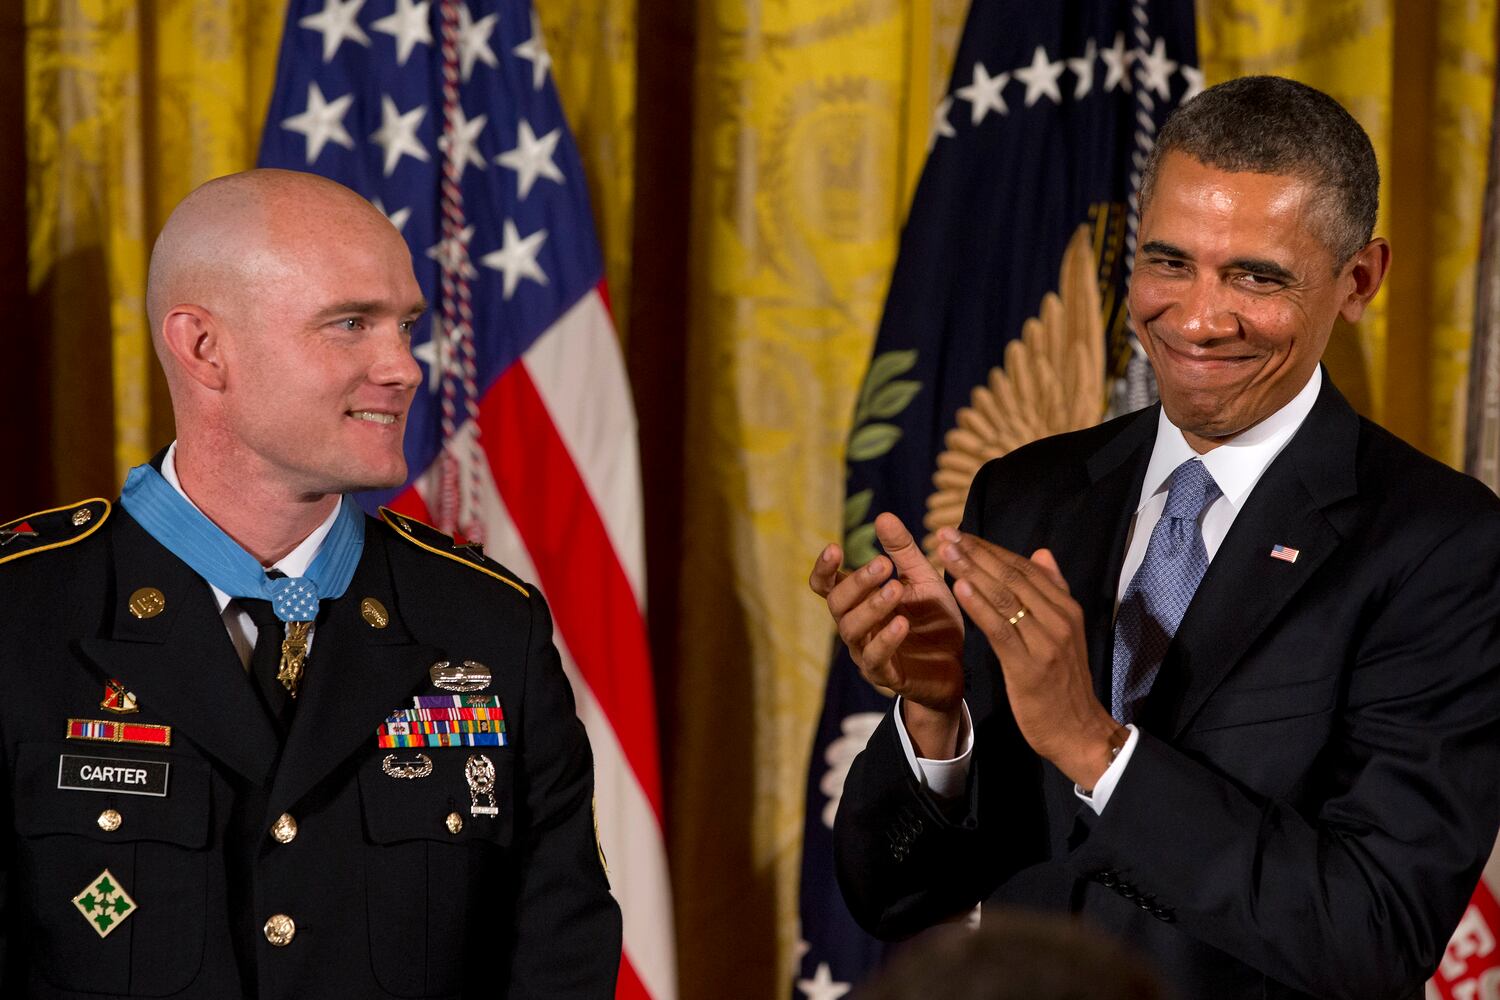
x=1162 y=589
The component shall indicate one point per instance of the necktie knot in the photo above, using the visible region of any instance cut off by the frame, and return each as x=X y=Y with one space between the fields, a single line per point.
x=1190 y=491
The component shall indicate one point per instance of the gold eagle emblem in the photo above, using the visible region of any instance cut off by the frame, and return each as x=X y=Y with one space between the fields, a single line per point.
x=1051 y=382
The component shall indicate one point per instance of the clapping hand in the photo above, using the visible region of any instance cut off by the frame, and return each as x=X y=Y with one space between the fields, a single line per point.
x=903 y=629
x=1036 y=630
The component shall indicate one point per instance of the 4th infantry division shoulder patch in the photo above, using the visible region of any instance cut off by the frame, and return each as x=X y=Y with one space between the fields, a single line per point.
x=104 y=904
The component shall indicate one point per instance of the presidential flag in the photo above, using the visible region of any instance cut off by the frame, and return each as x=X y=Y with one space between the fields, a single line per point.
x=444 y=114
x=1004 y=322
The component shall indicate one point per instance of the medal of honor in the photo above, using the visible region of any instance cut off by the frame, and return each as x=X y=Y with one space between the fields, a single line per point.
x=293 y=655
x=168 y=517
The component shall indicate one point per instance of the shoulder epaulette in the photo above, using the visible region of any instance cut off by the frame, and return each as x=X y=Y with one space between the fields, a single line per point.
x=52 y=529
x=425 y=536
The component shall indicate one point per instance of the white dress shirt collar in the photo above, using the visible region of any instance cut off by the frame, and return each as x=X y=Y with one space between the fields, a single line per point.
x=294 y=563
x=1238 y=464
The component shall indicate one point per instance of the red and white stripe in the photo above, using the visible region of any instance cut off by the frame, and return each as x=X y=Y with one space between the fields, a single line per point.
x=1470 y=969
x=559 y=501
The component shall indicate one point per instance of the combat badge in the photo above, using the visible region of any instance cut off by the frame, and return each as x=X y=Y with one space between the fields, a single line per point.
x=104 y=904
x=479 y=771
x=471 y=675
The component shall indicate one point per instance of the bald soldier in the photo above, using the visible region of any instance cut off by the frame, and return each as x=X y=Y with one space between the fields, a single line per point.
x=258 y=744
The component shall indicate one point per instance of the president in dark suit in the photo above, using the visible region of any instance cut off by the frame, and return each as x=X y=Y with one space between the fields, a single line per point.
x=1221 y=676
x=255 y=743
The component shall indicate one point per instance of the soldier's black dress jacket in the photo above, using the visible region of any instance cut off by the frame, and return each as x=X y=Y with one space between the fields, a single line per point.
x=1316 y=782
x=383 y=900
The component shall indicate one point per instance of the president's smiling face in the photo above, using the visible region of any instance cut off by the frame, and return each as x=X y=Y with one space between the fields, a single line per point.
x=1235 y=293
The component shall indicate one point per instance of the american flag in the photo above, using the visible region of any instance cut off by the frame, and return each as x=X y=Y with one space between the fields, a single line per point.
x=444 y=114
x=1470 y=969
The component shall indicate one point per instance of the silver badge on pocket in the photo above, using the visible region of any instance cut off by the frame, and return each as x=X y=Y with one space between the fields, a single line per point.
x=479 y=770
x=471 y=675
x=421 y=767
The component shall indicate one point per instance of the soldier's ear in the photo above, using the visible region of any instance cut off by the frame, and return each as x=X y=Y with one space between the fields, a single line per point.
x=191 y=342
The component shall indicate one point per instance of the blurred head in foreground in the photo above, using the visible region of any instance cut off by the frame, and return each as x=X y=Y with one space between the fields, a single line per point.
x=1014 y=956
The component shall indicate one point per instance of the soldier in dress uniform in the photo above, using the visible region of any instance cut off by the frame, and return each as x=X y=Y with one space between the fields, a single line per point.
x=258 y=744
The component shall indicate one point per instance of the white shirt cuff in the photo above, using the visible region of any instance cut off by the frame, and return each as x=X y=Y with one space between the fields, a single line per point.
x=1099 y=798
x=943 y=778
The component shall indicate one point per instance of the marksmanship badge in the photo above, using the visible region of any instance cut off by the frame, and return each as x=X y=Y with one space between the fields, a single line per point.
x=104 y=904
x=479 y=770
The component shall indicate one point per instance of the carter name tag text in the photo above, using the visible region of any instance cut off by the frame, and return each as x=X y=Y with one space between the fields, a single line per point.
x=112 y=774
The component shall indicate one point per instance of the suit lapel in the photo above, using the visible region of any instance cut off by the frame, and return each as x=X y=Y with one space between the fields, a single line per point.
x=356 y=674
x=181 y=663
x=1089 y=537
x=1245 y=589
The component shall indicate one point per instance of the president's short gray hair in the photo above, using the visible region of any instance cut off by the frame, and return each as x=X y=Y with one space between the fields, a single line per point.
x=1271 y=125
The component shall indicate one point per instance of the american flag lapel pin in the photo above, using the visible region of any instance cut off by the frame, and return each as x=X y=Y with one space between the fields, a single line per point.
x=1284 y=553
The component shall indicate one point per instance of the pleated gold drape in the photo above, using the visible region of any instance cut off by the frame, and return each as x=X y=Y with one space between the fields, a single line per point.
x=129 y=105
x=809 y=124
x=1419 y=77
x=593 y=46
x=748 y=209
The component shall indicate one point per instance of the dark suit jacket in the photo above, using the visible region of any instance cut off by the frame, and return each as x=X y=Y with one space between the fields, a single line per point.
x=1317 y=780
x=387 y=902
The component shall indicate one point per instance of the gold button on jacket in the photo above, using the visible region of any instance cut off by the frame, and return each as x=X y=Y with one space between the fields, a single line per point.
x=280 y=930
x=284 y=829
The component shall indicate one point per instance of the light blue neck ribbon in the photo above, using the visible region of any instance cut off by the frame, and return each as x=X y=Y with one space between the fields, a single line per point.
x=169 y=518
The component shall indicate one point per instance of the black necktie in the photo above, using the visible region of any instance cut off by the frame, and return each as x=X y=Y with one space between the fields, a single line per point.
x=265 y=661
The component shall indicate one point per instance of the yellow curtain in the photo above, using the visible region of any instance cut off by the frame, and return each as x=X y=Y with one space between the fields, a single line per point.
x=593 y=46
x=1420 y=78
x=130 y=104
x=810 y=121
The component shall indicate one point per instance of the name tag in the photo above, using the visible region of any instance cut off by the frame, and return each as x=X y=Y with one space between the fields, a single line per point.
x=112 y=774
